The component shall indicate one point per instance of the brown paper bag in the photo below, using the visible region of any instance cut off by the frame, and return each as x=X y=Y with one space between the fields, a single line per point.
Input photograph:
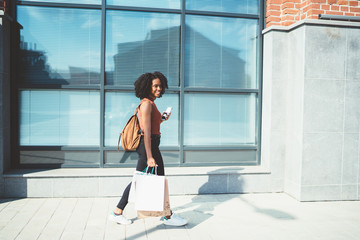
x=166 y=212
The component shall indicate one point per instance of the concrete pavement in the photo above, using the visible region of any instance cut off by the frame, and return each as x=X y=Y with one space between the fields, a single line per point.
x=224 y=216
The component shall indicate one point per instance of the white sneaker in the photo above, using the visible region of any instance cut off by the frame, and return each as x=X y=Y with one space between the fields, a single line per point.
x=120 y=219
x=175 y=220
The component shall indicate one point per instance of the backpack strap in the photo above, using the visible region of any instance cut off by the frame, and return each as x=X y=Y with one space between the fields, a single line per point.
x=135 y=112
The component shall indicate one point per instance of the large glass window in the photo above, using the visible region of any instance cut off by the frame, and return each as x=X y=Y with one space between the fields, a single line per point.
x=141 y=42
x=59 y=118
x=59 y=46
x=219 y=119
x=172 y=4
x=220 y=52
x=69 y=1
x=229 y=6
x=77 y=61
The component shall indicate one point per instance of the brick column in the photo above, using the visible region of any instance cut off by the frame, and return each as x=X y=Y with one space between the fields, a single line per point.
x=287 y=12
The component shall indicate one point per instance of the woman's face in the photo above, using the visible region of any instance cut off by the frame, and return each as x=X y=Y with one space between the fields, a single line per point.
x=155 y=89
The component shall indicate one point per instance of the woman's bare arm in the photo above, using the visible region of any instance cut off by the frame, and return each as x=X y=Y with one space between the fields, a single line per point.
x=146 y=109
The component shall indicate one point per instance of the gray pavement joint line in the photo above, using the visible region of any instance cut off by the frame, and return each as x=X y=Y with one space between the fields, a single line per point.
x=49 y=219
x=32 y=215
x=107 y=217
x=16 y=215
x=35 y=213
x=22 y=205
x=96 y=212
x=53 y=210
x=63 y=230
x=5 y=203
x=109 y=210
x=72 y=212
x=13 y=216
x=88 y=218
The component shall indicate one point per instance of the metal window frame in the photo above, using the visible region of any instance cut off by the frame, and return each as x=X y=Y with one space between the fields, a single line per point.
x=181 y=89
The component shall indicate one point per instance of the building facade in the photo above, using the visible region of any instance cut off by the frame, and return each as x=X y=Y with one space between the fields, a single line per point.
x=264 y=95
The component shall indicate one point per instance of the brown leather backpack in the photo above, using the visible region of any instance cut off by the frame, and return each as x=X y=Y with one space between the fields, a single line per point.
x=131 y=134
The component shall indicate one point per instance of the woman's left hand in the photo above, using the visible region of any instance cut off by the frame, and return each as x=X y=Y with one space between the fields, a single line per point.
x=167 y=116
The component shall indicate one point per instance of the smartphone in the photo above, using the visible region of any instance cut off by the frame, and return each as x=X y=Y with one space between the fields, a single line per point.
x=166 y=113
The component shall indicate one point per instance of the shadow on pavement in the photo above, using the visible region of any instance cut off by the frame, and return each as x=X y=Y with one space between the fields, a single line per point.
x=202 y=206
x=274 y=213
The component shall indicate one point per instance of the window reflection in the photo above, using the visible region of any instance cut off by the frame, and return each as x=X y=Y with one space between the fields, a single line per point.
x=59 y=46
x=220 y=52
x=59 y=118
x=69 y=1
x=118 y=109
x=231 y=6
x=219 y=119
x=172 y=4
x=119 y=106
x=141 y=42
x=60 y=158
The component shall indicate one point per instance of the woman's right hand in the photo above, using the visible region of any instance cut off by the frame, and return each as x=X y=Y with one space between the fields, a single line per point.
x=151 y=162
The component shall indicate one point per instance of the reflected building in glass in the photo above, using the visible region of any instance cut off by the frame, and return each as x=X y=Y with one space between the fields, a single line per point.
x=35 y=69
x=129 y=61
x=135 y=58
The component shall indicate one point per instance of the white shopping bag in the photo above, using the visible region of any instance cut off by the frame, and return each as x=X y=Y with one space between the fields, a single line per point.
x=167 y=210
x=149 y=192
x=132 y=194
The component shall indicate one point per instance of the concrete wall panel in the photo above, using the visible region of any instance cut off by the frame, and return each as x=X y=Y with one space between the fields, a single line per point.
x=353 y=54
x=76 y=187
x=352 y=107
x=350 y=162
x=323 y=105
x=325 y=52
x=322 y=159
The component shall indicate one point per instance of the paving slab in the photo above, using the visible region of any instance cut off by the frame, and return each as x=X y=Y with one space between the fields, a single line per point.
x=221 y=216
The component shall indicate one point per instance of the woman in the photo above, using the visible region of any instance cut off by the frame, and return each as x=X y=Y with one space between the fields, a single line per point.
x=148 y=87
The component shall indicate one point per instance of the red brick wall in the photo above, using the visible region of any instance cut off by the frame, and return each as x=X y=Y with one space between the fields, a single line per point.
x=287 y=12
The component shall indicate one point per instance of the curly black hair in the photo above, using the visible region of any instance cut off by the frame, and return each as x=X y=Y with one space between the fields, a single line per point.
x=144 y=83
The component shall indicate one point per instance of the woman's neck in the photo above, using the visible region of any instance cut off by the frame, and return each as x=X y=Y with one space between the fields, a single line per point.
x=151 y=99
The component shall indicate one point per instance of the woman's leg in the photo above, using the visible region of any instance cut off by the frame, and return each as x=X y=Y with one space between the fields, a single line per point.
x=117 y=215
x=123 y=201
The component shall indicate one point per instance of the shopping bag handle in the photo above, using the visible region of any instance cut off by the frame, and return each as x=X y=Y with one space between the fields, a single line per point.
x=152 y=171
